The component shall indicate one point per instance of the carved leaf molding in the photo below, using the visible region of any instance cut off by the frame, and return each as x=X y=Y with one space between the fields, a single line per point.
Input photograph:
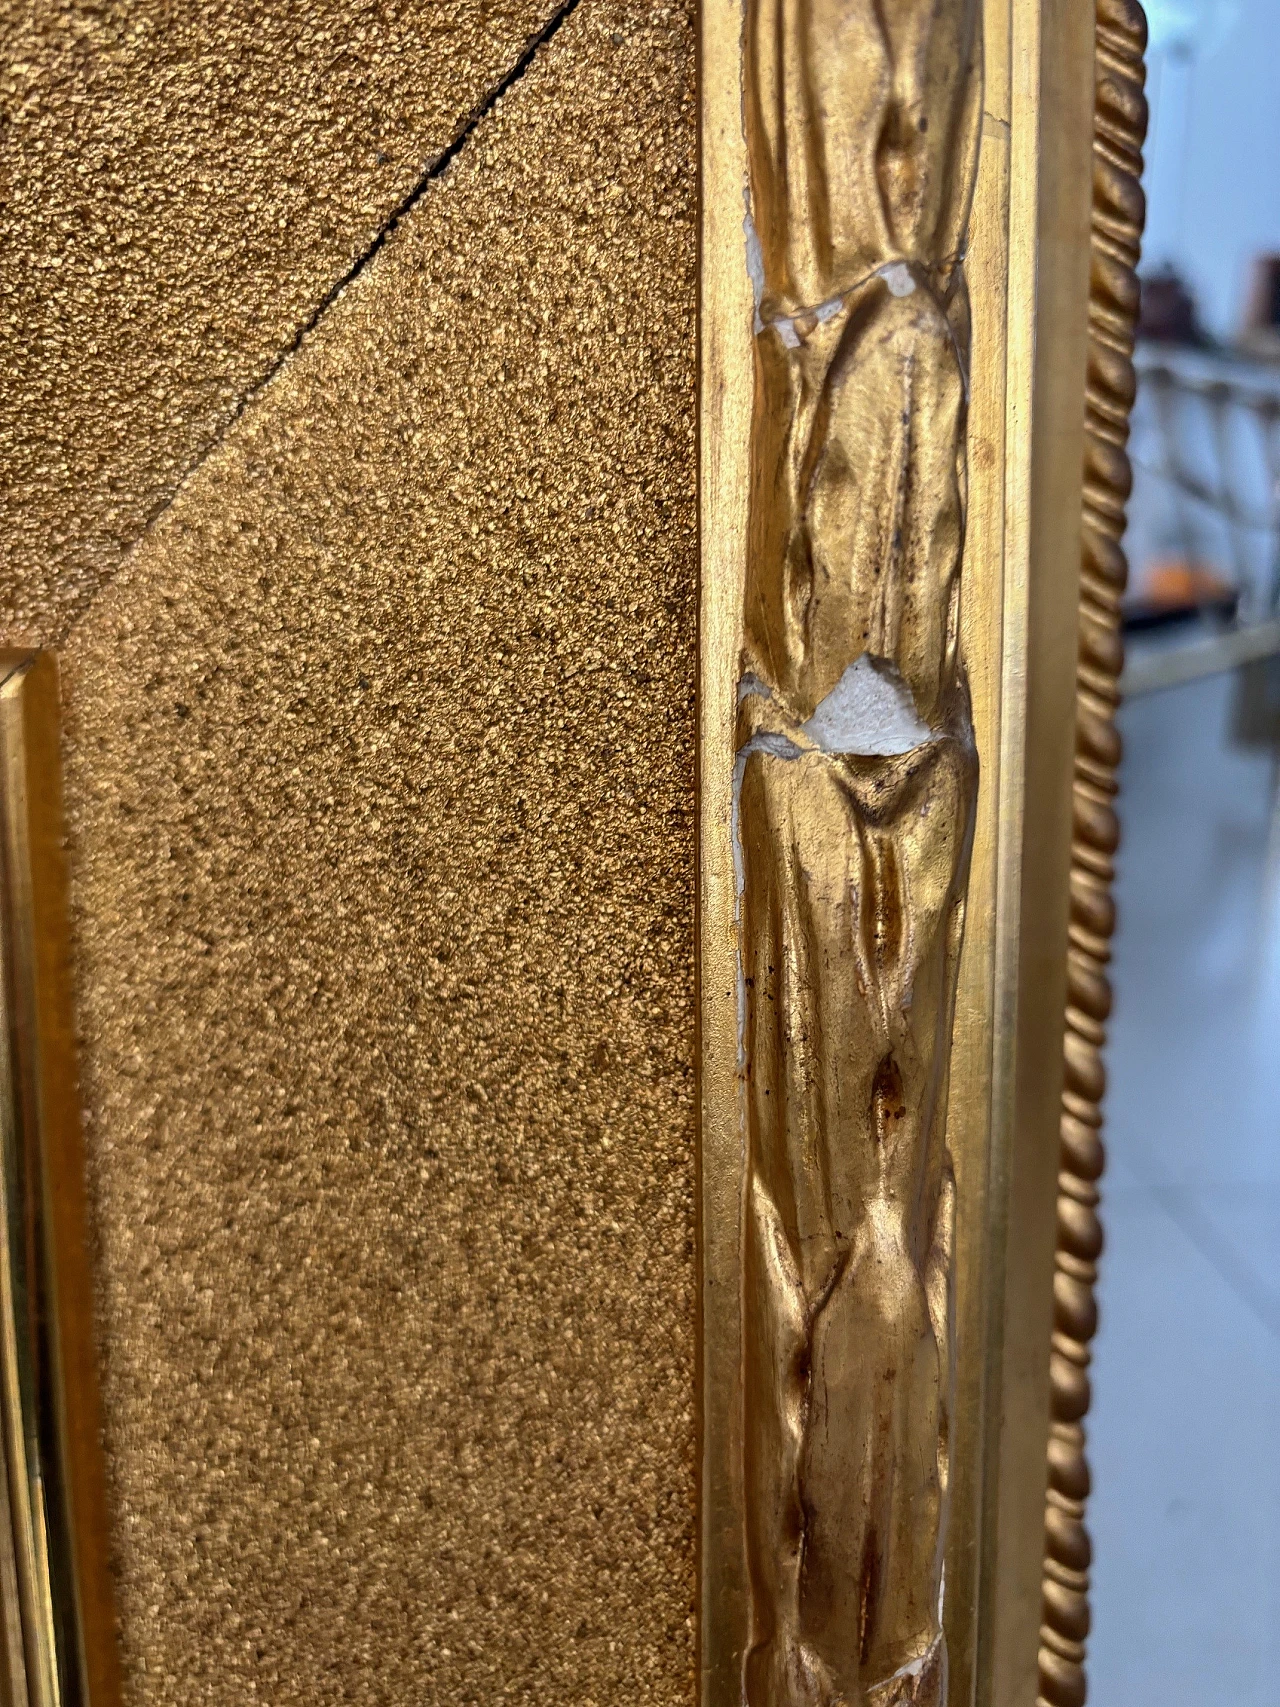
x=854 y=793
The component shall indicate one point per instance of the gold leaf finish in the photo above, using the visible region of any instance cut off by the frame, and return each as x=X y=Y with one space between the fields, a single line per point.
x=188 y=186
x=854 y=786
x=57 y=1625
x=1118 y=209
x=380 y=788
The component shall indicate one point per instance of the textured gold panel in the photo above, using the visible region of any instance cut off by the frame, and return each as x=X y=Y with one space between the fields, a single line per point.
x=380 y=783
x=184 y=186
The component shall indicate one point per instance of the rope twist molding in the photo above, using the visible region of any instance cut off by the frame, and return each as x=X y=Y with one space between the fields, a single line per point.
x=1118 y=209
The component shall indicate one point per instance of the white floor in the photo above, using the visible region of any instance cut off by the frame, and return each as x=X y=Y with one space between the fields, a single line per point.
x=1185 y=1433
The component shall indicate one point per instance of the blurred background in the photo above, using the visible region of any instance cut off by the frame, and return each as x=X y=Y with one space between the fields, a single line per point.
x=1186 y=1421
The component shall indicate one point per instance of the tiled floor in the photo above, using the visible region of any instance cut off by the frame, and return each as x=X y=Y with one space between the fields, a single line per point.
x=1185 y=1435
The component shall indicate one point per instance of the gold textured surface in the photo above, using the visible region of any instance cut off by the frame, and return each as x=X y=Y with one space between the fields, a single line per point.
x=380 y=783
x=183 y=186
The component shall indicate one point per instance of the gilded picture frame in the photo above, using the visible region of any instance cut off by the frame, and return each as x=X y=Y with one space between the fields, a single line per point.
x=916 y=379
x=919 y=234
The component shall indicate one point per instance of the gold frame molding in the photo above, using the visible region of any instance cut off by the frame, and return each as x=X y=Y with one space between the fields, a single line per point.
x=1046 y=406
x=1118 y=211
x=57 y=1632
x=916 y=316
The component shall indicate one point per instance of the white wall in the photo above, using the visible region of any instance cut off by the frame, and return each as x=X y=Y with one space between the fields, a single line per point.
x=1213 y=160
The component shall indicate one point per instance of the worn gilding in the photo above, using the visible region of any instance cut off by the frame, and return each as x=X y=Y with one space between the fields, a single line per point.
x=854 y=793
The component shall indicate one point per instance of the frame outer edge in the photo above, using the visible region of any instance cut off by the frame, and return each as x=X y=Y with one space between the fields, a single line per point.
x=1119 y=130
x=1053 y=45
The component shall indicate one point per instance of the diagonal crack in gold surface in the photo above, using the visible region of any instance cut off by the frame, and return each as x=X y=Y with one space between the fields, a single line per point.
x=434 y=169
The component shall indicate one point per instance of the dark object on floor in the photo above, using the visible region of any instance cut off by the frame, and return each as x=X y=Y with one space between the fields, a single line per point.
x=1255 y=705
x=1260 y=328
x=1167 y=314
